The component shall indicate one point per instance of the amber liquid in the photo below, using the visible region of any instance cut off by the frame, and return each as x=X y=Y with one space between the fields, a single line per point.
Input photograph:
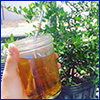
x=40 y=77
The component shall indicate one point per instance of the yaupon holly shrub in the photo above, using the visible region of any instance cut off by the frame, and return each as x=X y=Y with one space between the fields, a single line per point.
x=75 y=34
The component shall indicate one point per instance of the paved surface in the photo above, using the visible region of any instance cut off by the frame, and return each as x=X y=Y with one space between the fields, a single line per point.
x=17 y=27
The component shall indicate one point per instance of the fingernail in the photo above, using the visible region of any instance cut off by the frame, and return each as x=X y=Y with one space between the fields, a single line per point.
x=10 y=48
x=59 y=65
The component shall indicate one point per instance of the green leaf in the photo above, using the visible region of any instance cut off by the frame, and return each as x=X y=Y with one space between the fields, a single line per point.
x=97 y=63
x=31 y=4
x=19 y=11
x=8 y=7
x=15 y=9
x=77 y=18
x=79 y=3
x=25 y=16
x=78 y=69
x=2 y=60
x=93 y=1
x=20 y=7
x=31 y=34
x=27 y=34
x=47 y=26
x=98 y=71
x=43 y=20
x=61 y=10
x=66 y=2
x=70 y=80
x=27 y=21
x=61 y=28
x=37 y=4
x=91 y=26
x=46 y=6
x=83 y=67
x=77 y=24
x=93 y=44
x=34 y=26
x=29 y=17
x=9 y=41
x=12 y=38
x=6 y=45
x=82 y=72
x=25 y=9
x=94 y=37
x=97 y=80
x=61 y=71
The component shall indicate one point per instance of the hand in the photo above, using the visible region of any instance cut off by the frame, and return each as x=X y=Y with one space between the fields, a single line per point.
x=11 y=87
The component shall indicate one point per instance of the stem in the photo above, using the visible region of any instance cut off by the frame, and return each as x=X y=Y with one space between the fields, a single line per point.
x=73 y=6
x=15 y=12
x=10 y=9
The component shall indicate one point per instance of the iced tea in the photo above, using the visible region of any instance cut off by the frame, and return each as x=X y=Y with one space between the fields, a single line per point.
x=40 y=77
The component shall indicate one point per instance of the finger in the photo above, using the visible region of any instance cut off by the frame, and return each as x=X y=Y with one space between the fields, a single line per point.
x=59 y=65
x=12 y=59
x=11 y=86
x=56 y=55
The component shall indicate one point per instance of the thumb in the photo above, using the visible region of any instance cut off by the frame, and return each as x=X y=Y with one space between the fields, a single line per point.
x=11 y=86
x=12 y=59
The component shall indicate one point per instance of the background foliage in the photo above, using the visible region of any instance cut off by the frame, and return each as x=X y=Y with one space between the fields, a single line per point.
x=75 y=34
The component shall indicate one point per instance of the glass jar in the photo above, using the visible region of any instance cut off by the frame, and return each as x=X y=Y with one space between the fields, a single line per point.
x=37 y=67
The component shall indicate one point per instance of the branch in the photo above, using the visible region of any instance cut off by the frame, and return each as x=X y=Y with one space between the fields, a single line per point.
x=4 y=6
x=73 y=6
x=10 y=10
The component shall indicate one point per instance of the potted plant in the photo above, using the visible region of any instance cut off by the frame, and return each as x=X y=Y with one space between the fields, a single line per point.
x=77 y=45
x=76 y=40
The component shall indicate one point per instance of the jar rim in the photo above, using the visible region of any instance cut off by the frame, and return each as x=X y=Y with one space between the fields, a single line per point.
x=29 y=43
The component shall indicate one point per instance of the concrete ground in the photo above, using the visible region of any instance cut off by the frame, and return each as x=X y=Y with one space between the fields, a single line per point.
x=17 y=27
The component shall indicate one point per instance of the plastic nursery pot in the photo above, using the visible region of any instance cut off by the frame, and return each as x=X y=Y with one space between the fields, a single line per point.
x=85 y=90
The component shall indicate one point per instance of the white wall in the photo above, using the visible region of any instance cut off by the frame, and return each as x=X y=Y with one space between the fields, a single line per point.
x=12 y=16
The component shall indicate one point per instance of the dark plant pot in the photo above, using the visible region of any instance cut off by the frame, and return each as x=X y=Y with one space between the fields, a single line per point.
x=2 y=68
x=15 y=38
x=85 y=90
